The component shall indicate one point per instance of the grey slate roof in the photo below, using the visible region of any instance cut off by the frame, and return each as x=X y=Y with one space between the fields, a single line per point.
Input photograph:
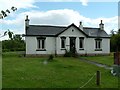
x=45 y=30
x=95 y=32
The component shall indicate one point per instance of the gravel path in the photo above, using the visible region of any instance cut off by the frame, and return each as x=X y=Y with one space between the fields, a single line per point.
x=97 y=64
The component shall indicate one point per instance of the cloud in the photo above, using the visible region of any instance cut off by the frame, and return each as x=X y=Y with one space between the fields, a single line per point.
x=7 y=4
x=84 y=2
x=61 y=17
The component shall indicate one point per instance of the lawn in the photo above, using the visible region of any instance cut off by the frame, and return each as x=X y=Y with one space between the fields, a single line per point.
x=108 y=60
x=28 y=72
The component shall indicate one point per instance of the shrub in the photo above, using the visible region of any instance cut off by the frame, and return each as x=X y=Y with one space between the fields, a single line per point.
x=67 y=53
x=50 y=58
x=71 y=53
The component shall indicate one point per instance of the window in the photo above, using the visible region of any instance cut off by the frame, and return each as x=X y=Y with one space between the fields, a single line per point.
x=41 y=43
x=63 y=40
x=98 y=44
x=81 y=43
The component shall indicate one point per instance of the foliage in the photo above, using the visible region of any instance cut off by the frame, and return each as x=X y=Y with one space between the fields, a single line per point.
x=67 y=53
x=50 y=58
x=71 y=53
x=4 y=14
x=10 y=34
x=115 y=42
x=15 y=44
x=32 y=73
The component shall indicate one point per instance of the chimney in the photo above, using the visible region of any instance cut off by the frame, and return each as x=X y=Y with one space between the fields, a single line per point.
x=101 y=26
x=27 y=21
x=81 y=26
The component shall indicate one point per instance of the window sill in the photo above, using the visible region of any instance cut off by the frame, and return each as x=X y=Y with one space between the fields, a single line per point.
x=81 y=48
x=98 y=49
x=40 y=49
x=63 y=49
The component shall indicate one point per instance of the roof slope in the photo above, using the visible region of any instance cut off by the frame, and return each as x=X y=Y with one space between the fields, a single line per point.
x=95 y=32
x=45 y=30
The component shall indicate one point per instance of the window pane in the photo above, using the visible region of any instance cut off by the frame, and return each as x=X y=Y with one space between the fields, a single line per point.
x=62 y=42
x=81 y=43
x=98 y=44
x=43 y=44
x=39 y=45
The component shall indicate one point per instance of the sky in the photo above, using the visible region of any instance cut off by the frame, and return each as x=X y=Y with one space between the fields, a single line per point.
x=59 y=13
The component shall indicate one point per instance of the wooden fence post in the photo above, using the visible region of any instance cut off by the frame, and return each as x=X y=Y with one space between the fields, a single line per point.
x=98 y=78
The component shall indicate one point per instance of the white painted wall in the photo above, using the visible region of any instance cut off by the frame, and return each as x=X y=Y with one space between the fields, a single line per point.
x=90 y=46
x=31 y=45
x=106 y=45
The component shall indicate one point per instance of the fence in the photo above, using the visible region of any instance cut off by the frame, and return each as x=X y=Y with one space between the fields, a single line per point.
x=97 y=74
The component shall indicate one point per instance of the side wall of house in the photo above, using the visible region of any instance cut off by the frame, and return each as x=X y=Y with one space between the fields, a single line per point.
x=31 y=46
x=90 y=46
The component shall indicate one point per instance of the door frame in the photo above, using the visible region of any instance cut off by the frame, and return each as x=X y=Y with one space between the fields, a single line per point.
x=72 y=44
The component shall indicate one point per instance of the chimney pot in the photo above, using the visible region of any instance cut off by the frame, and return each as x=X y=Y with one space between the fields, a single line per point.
x=101 y=26
x=27 y=21
x=81 y=26
x=101 y=21
x=80 y=23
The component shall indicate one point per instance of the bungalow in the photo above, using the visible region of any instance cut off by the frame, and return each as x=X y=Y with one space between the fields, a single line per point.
x=46 y=39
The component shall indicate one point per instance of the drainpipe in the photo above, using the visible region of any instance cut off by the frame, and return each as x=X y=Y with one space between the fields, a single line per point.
x=55 y=47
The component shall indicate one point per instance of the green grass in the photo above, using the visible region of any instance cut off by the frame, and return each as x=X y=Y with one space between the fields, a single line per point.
x=108 y=60
x=25 y=72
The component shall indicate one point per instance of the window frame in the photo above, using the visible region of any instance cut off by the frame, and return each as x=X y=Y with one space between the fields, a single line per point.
x=98 y=44
x=81 y=39
x=63 y=38
x=40 y=45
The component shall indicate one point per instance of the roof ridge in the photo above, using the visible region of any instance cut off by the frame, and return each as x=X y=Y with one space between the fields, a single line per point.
x=90 y=28
x=48 y=26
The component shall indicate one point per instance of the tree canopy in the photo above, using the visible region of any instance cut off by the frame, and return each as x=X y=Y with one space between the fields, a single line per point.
x=115 y=41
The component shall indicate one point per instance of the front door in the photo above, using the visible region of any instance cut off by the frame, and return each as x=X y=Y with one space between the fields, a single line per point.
x=72 y=44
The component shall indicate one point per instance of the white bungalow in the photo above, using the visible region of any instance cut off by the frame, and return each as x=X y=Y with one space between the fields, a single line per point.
x=45 y=39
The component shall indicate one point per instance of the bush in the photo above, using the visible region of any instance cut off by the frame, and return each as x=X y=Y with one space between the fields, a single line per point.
x=71 y=54
x=67 y=54
x=5 y=50
x=50 y=58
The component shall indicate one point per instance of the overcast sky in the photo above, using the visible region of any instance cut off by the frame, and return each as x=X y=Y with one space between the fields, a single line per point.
x=57 y=12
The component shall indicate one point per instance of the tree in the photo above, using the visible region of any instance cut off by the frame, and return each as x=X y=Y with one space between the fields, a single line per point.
x=17 y=37
x=115 y=41
x=4 y=14
x=10 y=34
x=14 y=44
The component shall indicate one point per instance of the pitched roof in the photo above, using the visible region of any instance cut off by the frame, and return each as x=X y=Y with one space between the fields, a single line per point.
x=95 y=32
x=45 y=30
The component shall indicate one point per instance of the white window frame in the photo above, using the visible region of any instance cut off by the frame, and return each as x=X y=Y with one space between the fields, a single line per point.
x=40 y=44
x=81 y=39
x=98 y=44
x=63 y=38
